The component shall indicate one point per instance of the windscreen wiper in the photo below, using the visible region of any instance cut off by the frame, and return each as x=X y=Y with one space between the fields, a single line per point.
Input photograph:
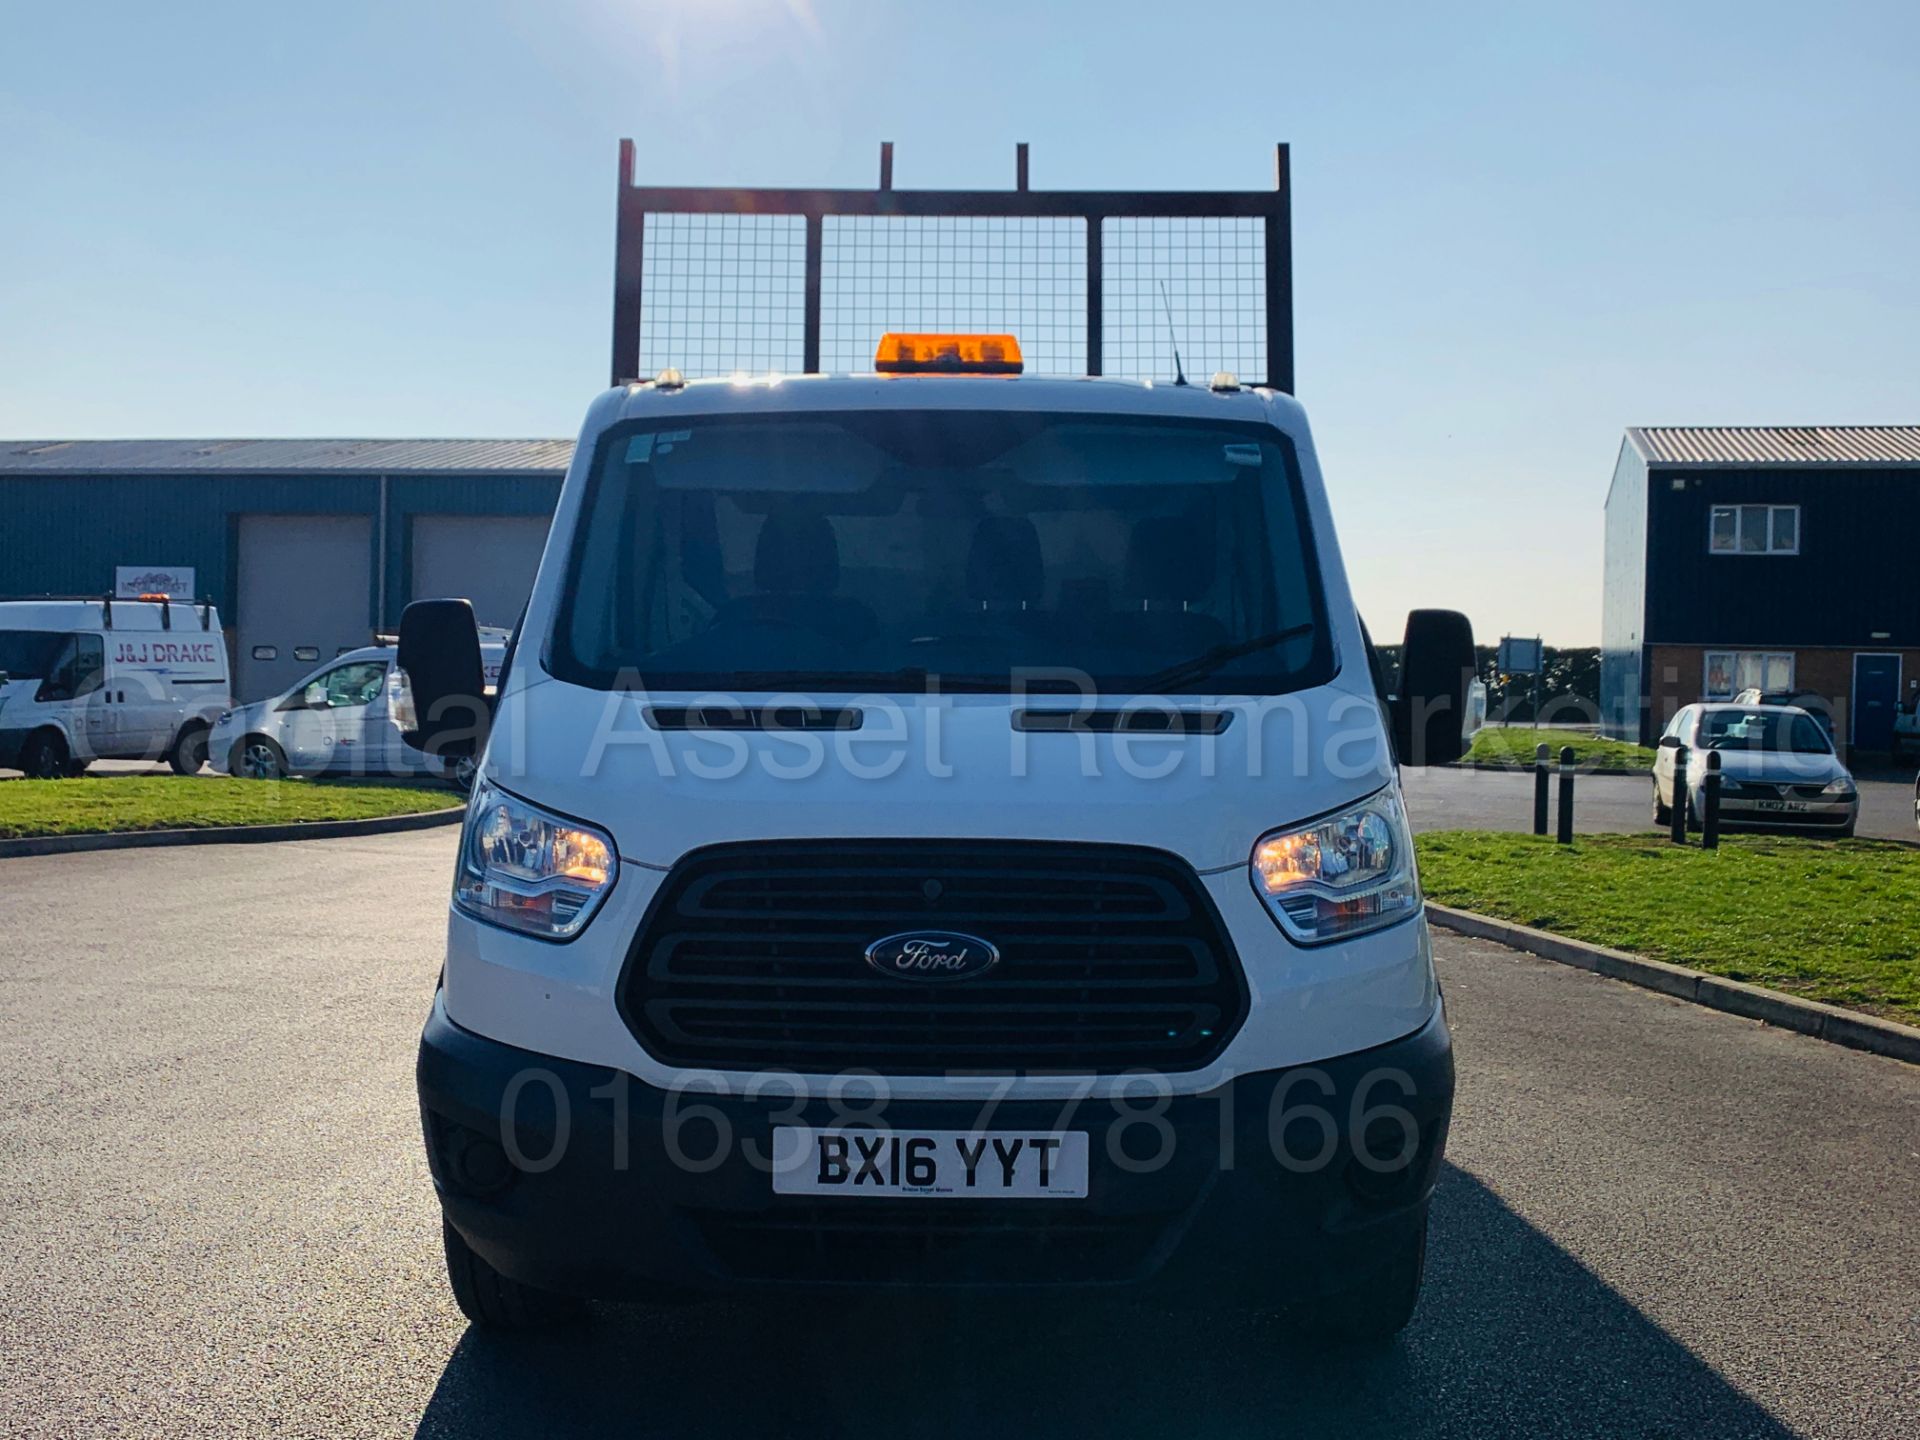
x=1208 y=661
x=908 y=679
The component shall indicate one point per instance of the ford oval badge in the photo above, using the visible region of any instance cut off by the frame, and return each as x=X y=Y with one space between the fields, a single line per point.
x=932 y=955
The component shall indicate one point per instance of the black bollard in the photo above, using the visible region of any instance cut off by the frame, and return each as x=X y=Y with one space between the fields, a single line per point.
x=1540 y=789
x=1710 y=804
x=1678 y=828
x=1565 y=835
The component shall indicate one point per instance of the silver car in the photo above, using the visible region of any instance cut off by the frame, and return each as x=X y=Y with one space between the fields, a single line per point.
x=1777 y=768
x=336 y=721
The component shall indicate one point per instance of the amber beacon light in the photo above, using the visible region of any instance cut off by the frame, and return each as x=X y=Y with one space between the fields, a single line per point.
x=948 y=355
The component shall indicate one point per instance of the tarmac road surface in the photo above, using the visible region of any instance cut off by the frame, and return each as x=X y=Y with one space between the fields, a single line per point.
x=215 y=1217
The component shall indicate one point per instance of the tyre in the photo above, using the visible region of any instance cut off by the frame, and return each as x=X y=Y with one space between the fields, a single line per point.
x=45 y=756
x=490 y=1299
x=1374 y=1312
x=189 y=751
x=256 y=757
x=1662 y=814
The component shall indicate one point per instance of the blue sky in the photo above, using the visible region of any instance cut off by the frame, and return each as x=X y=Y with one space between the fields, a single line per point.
x=1518 y=228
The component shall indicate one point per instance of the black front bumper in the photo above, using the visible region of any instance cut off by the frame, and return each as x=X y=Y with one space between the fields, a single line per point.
x=1276 y=1185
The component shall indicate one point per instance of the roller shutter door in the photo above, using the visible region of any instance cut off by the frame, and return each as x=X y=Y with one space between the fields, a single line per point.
x=304 y=595
x=488 y=559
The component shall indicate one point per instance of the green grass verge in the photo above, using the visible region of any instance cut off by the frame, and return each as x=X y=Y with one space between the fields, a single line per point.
x=1832 y=920
x=1515 y=747
x=96 y=805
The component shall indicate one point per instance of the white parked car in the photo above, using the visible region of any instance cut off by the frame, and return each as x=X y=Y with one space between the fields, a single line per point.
x=337 y=720
x=1777 y=768
x=99 y=678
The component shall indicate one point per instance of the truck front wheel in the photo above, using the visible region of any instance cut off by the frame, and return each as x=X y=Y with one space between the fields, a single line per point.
x=1378 y=1309
x=490 y=1299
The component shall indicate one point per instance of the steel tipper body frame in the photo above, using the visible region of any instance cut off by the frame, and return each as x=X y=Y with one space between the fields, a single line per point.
x=1273 y=208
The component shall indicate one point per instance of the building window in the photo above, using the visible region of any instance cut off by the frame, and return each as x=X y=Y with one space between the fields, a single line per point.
x=1728 y=672
x=1754 y=530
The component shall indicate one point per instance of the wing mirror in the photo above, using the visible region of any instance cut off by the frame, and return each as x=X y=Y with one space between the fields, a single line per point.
x=441 y=702
x=1433 y=717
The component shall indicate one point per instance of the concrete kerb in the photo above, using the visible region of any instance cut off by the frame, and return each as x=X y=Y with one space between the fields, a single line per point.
x=1613 y=771
x=230 y=834
x=1788 y=1012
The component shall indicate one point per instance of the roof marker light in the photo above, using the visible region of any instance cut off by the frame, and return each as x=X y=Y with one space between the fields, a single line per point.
x=948 y=355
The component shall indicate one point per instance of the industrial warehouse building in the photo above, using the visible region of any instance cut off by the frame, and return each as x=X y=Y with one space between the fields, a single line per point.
x=307 y=546
x=1779 y=557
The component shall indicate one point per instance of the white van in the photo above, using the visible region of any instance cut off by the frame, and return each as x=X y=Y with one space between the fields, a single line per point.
x=335 y=720
x=99 y=678
x=937 y=831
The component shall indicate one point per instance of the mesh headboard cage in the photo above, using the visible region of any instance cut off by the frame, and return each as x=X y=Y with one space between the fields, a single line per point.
x=716 y=281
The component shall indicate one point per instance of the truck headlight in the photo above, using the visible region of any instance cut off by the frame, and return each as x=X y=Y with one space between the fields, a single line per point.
x=1342 y=875
x=525 y=869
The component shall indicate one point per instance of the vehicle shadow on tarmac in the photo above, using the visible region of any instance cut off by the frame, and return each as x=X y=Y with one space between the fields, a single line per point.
x=1513 y=1337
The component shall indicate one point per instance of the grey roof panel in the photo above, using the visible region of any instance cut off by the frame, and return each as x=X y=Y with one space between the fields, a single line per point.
x=268 y=457
x=1813 y=445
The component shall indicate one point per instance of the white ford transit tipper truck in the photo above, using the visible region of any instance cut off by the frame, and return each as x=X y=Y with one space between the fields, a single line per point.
x=937 y=827
x=99 y=678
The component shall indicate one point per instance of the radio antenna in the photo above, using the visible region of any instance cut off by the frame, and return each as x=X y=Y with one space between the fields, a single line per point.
x=1179 y=375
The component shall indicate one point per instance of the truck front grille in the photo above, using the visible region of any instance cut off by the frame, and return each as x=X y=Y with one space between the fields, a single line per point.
x=754 y=957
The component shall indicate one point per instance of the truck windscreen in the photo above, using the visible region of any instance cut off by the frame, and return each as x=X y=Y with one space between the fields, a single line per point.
x=882 y=550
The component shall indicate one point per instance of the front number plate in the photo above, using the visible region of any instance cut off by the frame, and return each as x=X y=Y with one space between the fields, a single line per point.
x=1789 y=806
x=962 y=1164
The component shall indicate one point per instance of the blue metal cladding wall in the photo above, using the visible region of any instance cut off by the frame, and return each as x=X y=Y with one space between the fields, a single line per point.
x=1854 y=574
x=1623 y=604
x=65 y=534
